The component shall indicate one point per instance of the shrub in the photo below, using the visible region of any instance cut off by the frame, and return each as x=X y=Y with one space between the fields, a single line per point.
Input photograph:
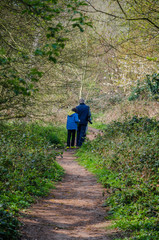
x=125 y=160
x=149 y=88
x=28 y=168
x=9 y=226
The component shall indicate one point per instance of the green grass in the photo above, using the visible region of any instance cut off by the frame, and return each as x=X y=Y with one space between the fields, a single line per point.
x=126 y=161
x=28 y=168
x=96 y=124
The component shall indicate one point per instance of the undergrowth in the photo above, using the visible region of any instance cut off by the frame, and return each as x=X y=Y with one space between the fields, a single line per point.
x=126 y=161
x=146 y=89
x=27 y=168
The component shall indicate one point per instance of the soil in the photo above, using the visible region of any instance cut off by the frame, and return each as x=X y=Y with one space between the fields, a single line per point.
x=74 y=210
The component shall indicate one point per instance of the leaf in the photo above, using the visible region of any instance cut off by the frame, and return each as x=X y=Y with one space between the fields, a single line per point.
x=83 y=3
x=89 y=24
x=78 y=25
x=39 y=52
x=54 y=45
x=53 y=59
x=154 y=59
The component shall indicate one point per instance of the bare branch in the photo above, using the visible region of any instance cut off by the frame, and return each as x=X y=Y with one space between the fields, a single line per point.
x=124 y=18
x=109 y=14
x=143 y=19
x=121 y=8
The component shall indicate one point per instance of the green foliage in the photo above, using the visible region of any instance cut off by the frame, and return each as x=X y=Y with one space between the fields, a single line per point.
x=126 y=161
x=149 y=88
x=27 y=44
x=95 y=124
x=9 y=225
x=153 y=83
x=27 y=168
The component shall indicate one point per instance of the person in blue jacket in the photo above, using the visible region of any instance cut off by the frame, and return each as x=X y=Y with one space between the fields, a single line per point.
x=84 y=115
x=72 y=121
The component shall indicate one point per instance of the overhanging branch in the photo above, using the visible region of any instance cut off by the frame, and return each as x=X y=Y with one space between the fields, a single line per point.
x=125 y=15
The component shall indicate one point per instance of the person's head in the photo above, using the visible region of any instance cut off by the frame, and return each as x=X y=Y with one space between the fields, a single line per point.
x=74 y=110
x=81 y=100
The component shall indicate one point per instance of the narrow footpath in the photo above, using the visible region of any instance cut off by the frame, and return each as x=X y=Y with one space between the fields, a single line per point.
x=72 y=211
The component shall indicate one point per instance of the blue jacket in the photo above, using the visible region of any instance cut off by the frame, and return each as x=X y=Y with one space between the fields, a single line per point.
x=84 y=113
x=72 y=120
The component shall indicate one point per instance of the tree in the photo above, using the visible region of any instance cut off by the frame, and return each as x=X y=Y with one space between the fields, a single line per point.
x=32 y=33
x=127 y=38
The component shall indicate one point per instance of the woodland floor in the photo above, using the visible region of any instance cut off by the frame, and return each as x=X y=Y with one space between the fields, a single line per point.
x=73 y=210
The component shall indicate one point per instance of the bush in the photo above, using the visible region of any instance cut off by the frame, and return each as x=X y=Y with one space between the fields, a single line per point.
x=28 y=168
x=9 y=226
x=149 y=88
x=125 y=160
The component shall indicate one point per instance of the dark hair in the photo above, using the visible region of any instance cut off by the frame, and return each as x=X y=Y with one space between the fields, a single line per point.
x=74 y=110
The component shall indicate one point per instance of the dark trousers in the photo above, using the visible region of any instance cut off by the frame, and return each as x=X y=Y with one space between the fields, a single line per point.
x=71 y=137
x=81 y=134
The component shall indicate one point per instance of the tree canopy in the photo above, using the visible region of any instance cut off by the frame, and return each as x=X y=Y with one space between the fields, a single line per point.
x=49 y=55
x=32 y=33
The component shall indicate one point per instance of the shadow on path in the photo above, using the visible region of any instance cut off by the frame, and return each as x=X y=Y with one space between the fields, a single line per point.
x=72 y=211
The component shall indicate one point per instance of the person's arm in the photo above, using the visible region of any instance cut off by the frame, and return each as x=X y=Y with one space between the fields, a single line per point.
x=89 y=116
x=89 y=113
x=76 y=118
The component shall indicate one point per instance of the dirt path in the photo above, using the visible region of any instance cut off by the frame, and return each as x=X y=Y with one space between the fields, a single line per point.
x=72 y=211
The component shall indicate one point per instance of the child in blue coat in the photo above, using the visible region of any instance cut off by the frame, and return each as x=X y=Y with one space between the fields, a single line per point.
x=72 y=121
